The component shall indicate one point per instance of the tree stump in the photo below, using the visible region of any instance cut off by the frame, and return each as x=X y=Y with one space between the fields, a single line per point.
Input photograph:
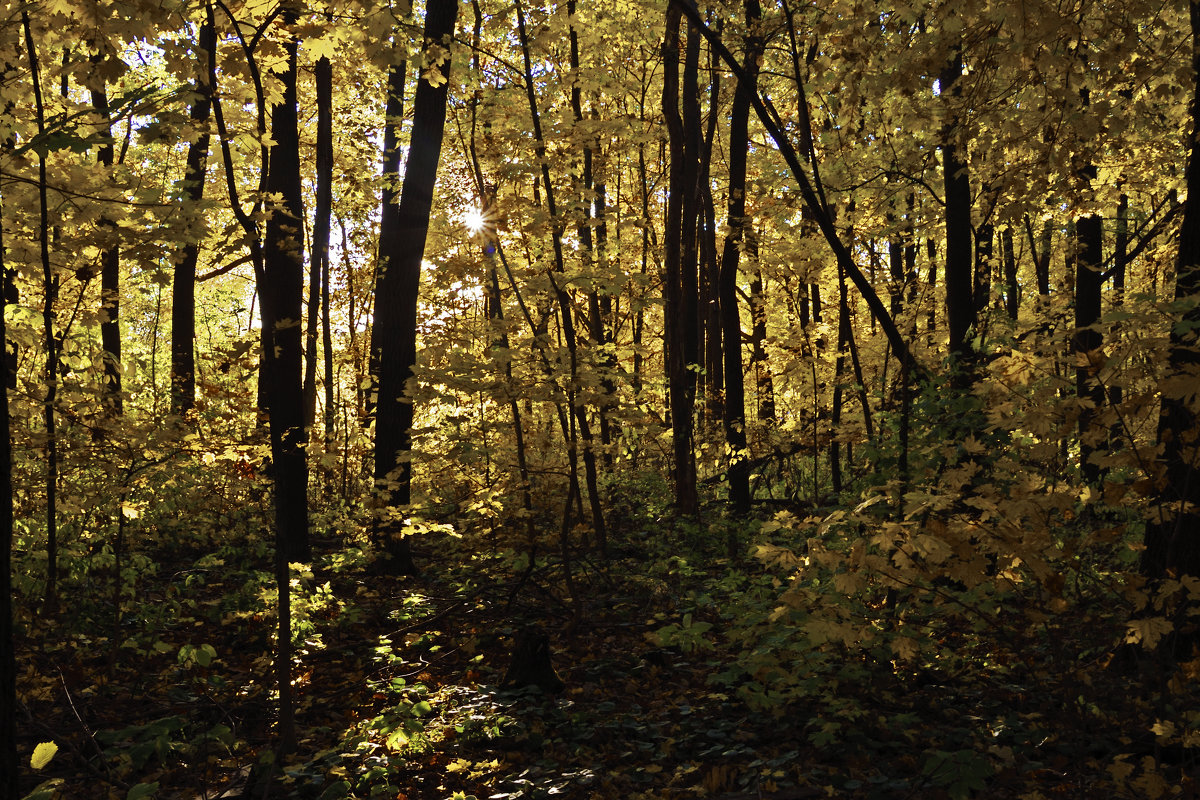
x=530 y=664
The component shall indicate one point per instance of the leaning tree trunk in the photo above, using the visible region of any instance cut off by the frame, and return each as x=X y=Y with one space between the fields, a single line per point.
x=401 y=248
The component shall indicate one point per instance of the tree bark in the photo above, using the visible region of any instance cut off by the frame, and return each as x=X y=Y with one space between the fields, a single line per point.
x=730 y=315
x=1012 y=289
x=318 y=261
x=9 y=764
x=110 y=274
x=1086 y=342
x=401 y=249
x=679 y=253
x=960 y=300
x=183 y=284
x=1173 y=540
x=281 y=295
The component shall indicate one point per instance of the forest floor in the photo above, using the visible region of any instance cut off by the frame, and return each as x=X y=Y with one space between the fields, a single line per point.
x=399 y=695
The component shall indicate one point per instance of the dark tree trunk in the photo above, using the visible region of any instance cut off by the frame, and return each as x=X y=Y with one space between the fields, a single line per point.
x=1173 y=540
x=1041 y=255
x=183 y=285
x=811 y=190
x=1012 y=289
x=1086 y=342
x=49 y=337
x=931 y=315
x=960 y=299
x=730 y=315
x=763 y=381
x=318 y=262
x=9 y=765
x=401 y=248
x=389 y=219
x=598 y=296
x=1121 y=251
x=984 y=252
x=281 y=295
x=680 y=254
x=110 y=274
x=708 y=299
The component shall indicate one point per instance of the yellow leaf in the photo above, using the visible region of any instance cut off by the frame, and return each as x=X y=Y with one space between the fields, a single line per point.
x=1163 y=728
x=905 y=648
x=1147 y=630
x=42 y=754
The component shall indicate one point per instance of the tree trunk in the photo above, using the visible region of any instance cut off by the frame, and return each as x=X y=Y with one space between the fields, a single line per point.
x=1012 y=289
x=281 y=297
x=401 y=249
x=1173 y=540
x=1086 y=343
x=960 y=300
x=679 y=253
x=9 y=765
x=730 y=315
x=318 y=262
x=763 y=382
x=183 y=285
x=577 y=425
x=49 y=337
x=110 y=274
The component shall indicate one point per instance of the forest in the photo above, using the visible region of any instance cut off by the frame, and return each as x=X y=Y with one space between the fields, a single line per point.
x=633 y=399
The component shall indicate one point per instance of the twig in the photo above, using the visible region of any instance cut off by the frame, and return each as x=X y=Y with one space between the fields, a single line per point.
x=71 y=701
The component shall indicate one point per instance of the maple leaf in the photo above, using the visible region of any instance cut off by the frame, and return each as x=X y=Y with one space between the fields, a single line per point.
x=1147 y=630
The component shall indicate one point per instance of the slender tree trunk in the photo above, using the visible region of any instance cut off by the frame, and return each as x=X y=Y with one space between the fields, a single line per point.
x=811 y=190
x=9 y=765
x=960 y=300
x=592 y=193
x=730 y=315
x=281 y=296
x=763 y=382
x=401 y=249
x=1121 y=251
x=578 y=416
x=931 y=314
x=49 y=338
x=1120 y=267
x=183 y=284
x=1086 y=343
x=1041 y=255
x=1012 y=290
x=110 y=274
x=318 y=262
x=708 y=299
x=984 y=253
x=680 y=258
